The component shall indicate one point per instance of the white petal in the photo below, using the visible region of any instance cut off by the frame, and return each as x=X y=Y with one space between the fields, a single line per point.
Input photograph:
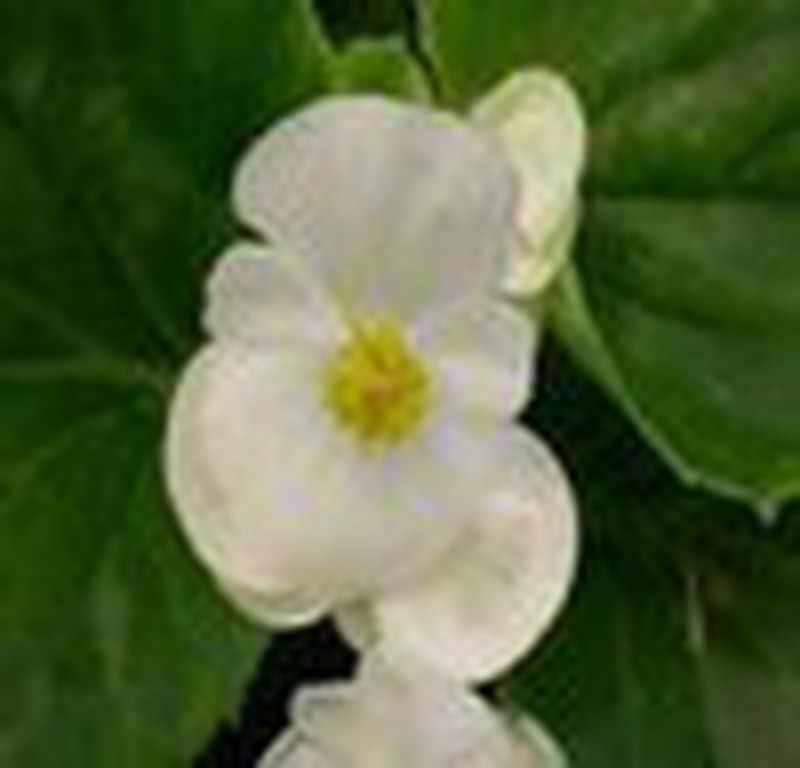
x=292 y=751
x=483 y=353
x=393 y=206
x=535 y=268
x=536 y=747
x=279 y=500
x=491 y=601
x=219 y=525
x=341 y=723
x=257 y=295
x=395 y=716
x=268 y=605
x=358 y=624
x=538 y=119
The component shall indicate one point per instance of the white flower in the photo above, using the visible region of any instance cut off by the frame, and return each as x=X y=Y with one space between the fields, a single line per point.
x=539 y=122
x=345 y=441
x=404 y=716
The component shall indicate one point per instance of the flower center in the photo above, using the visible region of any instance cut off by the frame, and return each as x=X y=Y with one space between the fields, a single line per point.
x=376 y=384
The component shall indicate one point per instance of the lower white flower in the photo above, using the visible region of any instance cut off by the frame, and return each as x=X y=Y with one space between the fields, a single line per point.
x=401 y=716
x=538 y=119
x=345 y=440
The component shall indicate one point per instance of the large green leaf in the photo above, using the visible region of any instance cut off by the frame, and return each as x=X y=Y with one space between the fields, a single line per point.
x=119 y=125
x=681 y=646
x=686 y=299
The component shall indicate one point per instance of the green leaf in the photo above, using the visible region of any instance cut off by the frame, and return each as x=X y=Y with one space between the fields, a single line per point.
x=681 y=644
x=119 y=127
x=697 y=304
x=380 y=66
x=687 y=283
x=114 y=649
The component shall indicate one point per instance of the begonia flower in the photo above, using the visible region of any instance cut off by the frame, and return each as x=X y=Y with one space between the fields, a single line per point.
x=345 y=440
x=403 y=716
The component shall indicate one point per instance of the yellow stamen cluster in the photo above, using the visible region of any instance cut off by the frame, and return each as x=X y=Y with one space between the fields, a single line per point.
x=376 y=384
